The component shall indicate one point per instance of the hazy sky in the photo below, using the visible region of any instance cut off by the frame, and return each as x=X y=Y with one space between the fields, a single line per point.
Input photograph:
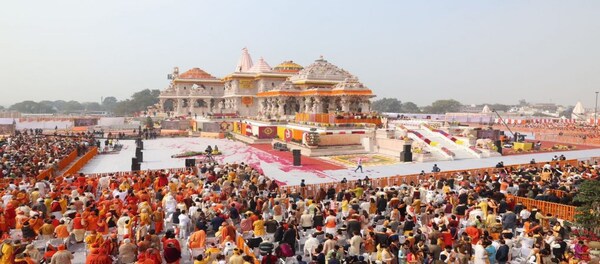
x=473 y=51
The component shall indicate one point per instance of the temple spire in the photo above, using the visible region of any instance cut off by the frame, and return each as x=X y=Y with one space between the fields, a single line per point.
x=245 y=62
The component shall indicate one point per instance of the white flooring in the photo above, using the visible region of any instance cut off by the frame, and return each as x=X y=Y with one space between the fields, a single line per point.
x=157 y=155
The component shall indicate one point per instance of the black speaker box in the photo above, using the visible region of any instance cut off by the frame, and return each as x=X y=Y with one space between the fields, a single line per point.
x=190 y=163
x=297 y=157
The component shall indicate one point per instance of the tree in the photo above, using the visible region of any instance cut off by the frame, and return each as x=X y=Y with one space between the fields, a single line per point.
x=149 y=123
x=443 y=106
x=589 y=210
x=109 y=103
x=410 y=107
x=92 y=106
x=139 y=102
x=72 y=106
x=32 y=107
x=499 y=107
x=387 y=105
x=522 y=102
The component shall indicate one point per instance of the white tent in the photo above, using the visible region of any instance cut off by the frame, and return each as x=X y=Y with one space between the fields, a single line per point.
x=486 y=110
x=578 y=112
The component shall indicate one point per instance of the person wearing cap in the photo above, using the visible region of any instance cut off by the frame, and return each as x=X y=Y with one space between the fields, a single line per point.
x=62 y=256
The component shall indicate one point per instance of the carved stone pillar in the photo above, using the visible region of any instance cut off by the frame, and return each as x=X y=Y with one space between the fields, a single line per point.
x=365 y=106
x=317 y=106
x=179 y=107
x=281 y=106
x=345 y=105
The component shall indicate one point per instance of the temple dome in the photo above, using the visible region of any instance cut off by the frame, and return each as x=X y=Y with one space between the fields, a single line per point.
x=260 y=66
x=195 y=73
x=322 y=70
x=288 y=67
x=245 y=62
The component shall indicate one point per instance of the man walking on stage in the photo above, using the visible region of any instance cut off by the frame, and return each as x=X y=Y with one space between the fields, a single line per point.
x=359 y=165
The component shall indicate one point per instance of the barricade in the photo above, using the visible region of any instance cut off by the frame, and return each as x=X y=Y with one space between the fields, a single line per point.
x=78 y=165
x=67 y=160
x=565 y=212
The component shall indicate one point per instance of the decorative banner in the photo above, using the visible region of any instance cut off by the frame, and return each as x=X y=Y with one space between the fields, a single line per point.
x=288 y=135
x=247 y=100
x=225 y=126
x=267 y=132
x=246 y=84
x=248 y=130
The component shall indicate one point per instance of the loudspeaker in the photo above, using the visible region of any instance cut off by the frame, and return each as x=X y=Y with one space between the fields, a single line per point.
x=140 y=156
x=498 y=144
x=406 y=154
x=297 y=157
x=135 y=165
x=141 y=144
x=190 y=163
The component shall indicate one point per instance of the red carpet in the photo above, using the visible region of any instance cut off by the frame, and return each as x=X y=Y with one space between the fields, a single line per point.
x=307 y=162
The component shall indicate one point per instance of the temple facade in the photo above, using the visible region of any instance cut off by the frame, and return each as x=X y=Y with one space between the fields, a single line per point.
x=259 y=90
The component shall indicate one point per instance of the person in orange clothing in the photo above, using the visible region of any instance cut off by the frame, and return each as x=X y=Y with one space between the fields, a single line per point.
x=61 y=230
x=92 y=221
x=159 y=220
x=78 y=228
x=10 y=213
x=473 y=233
x=197 y=240
x=36 y=223
x=3 y=223
x=98 y=256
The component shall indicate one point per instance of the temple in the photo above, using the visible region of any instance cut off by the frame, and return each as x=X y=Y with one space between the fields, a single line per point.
x=262 y=91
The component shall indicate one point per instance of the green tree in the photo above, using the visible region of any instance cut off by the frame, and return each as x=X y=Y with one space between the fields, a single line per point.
x=149 y=123
x=387 y=105
x=499 y=107
x=410 y=107
x=72 y=106
x=109 y=103
x=443 y=106
x=522 y=102
x=32 y=107
x=588 y=196
x=139 y=102
x=92 y=106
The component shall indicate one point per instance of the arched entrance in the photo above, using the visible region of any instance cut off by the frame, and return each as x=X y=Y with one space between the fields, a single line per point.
x=169 y=105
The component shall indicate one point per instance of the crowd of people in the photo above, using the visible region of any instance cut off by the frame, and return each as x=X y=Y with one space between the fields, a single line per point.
x=28 y=152
x=196 y=216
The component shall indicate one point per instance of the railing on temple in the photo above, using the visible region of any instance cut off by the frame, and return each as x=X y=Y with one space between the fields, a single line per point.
x=336 y=119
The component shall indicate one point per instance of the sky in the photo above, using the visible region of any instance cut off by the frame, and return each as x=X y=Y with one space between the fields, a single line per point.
x=420 y=51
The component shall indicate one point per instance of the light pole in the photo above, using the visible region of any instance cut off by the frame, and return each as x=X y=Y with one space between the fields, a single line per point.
x=596 y=111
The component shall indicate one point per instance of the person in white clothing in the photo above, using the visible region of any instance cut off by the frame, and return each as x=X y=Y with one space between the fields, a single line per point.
x=355 y=242
x=184 y=223
x=310 y=245
x=480 y=255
